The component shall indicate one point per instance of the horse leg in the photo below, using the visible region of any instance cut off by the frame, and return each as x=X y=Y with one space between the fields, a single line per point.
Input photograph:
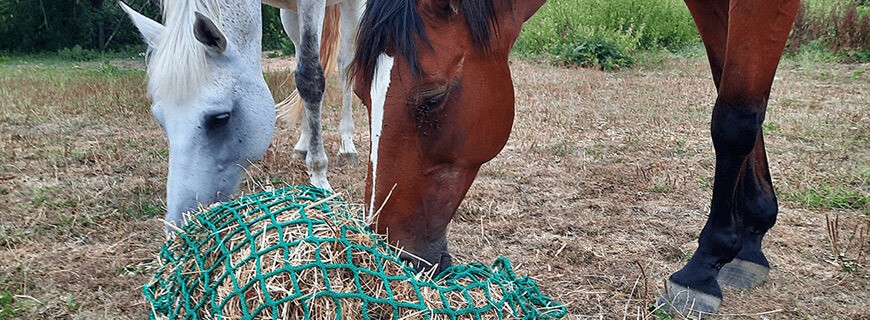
x=351 y=13
x=290 y=21
x=743 y=205
x=310 y=82
x=759 y=207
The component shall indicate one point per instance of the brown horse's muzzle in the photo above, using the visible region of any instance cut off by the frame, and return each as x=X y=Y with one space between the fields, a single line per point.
x=417 y=213
x=433 y=257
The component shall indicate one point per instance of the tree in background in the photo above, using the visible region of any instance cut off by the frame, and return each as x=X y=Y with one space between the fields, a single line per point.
x=28 y=26
x=33 y=26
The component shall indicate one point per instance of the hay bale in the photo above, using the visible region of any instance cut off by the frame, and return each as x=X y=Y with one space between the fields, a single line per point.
x=300 y=253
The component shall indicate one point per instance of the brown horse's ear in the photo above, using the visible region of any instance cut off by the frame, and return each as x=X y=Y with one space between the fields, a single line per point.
x=444 y=9
x=526 y=9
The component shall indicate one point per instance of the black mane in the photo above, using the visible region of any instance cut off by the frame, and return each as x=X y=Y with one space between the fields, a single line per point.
x=396 y=24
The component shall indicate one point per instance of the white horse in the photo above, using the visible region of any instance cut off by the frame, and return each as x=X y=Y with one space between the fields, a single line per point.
x=302 y=20
x=208 y=93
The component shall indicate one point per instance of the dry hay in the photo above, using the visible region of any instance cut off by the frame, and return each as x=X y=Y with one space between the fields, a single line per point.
x=298 y=252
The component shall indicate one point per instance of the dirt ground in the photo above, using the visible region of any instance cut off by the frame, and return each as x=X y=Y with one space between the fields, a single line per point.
x=599 y=194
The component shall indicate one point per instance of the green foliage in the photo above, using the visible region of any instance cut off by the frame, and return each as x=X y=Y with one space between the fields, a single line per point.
x=6 y=310
x=825 y=30
x=80 y=30
x=596 y=51
x=837 y=30
x=828 y=197
x=72 y=304
x=274 y=37
x=28 y=26
x=658 y=313
x=77 y=53
x=587 y=29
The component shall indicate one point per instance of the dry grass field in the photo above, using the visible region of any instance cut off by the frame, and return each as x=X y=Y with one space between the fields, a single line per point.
x=599 y=194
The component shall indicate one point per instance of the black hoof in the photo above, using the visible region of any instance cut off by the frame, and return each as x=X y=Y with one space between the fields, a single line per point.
x=348 y=158
x=299 y=154
x=742 y=274
x=679 y=300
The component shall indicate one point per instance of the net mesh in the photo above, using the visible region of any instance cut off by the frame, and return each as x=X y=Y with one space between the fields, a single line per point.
x=299 y=252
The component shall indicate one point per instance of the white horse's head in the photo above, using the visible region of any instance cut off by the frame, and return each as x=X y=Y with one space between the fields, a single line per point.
x=209 y=95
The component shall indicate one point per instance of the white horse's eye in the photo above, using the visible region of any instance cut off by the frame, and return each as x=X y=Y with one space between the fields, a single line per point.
x=217 y=121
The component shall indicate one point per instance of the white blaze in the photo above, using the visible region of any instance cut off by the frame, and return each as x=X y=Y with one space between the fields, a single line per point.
x=378 y=94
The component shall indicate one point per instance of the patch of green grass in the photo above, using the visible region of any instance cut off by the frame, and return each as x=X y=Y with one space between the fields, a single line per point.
x=681 y=149
x=144 y=210
x=6 y=311
x=76 y=55
x=815 y=51
x=659 y=313
x=11 y=308
x=827 y=197
x=72 y=305
x=561 y=148
x=600 y=150
x=705 y=183
x=769 y=127
x=661 y=187
x=159 y=153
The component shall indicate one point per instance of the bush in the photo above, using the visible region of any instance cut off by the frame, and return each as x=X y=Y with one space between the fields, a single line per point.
x=28 y=26
x=841 y=27
x=274 y=37
x=77 y=53
x=597 y=51
x=70 y=28
x=629 y=25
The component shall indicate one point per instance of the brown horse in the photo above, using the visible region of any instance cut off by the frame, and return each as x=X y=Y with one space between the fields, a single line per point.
x=434 y=75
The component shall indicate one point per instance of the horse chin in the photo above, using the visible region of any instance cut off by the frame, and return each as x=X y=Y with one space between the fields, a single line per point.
x=434 y=265
x=430 y=258
x=185 y=200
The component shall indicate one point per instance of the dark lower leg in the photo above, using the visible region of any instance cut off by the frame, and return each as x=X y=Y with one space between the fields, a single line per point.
x=759 y=205
x=759 y=209
x=735 y=129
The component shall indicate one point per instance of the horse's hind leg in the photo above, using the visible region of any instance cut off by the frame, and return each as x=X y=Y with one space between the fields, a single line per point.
x=310 y=82
x=743 y=207
x=350 y=15
x=290 y=21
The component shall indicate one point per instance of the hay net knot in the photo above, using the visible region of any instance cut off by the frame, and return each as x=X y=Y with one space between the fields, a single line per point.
x=300 y=252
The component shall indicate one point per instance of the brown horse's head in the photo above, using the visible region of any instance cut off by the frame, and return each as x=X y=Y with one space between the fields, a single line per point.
x=434 y=75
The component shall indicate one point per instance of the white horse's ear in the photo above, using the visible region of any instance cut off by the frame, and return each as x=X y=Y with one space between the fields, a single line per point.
x=151 y=30
x=207 y=33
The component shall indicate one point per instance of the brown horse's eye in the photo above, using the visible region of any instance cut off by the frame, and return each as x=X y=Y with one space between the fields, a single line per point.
x=432 y=101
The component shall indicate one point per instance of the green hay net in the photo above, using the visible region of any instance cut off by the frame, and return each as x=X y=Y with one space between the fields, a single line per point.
x=301 y=253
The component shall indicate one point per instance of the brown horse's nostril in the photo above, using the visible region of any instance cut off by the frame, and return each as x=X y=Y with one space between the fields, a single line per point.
x=444 y=261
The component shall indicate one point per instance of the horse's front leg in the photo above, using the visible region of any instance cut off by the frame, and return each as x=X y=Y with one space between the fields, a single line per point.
x=744 y=41
x=310 y=82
